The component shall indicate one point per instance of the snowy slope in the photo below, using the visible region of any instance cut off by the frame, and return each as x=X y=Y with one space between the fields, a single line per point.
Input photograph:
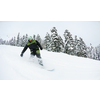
x=14 y=67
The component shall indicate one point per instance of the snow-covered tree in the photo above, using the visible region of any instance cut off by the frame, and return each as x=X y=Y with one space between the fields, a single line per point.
x=75 y=45
x=1 y=41
x=95 y=53
x=69 y=43
x=34 y=37
x=7 y=42
x=47 y=42
x=26 y=38
x=38 y=38
x=18 y=39
x=23 y=41
x=53 y=30
x=98 y=52
x=61 y=44
x=11 y=42
x=90 y=51
x=81 y=48
x=55 y=43
x=14 y=42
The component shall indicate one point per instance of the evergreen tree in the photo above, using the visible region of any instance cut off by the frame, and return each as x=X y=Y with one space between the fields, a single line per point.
x=1 y=41
x=81 y=48
x=75 y=45
x=34 y=37
x=61 y=44
x=11 y=42
x=14 y=41
x=26 y=39
x=18 y=39
x=69 y=43
x=38 y=38
x=7 y=42
x=95 y=53
x=90 y=51
x=23 y=41
x=55 y=44
x=98 y=52
x=47 y=42
x=53 y=30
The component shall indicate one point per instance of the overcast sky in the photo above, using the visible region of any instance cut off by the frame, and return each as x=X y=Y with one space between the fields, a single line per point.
x=81 y=18
x=88 y=30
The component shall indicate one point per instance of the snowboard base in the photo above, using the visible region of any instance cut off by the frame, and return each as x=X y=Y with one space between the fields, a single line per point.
x=46 y=69
x=50 y=69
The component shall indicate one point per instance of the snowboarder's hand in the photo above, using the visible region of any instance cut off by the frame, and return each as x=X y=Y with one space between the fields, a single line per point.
x=21 y=55
x=41 y=48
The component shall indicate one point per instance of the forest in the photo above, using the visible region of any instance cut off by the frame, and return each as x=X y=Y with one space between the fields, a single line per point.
x=54 y=42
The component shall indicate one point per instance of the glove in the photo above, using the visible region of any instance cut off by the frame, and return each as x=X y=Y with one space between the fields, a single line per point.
x=41 y=48
x=21 y=55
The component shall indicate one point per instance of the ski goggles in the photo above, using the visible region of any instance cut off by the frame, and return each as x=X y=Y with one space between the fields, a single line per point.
x=30 y=39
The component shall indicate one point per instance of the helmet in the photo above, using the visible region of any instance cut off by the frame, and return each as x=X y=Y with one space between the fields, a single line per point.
x=30 y=38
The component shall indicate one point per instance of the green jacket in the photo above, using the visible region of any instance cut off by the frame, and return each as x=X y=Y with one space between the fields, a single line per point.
x=33 y=45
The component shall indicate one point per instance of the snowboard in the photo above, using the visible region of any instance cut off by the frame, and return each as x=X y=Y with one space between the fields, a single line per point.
x=43 y=67
x=40 y=62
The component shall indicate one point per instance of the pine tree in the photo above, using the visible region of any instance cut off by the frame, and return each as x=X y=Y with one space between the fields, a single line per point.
x=90 y=51
x=75 y=45
x=95 y=53
x=81 y=48
x=18 y=39
x=7 y=42
x=23 y=41
x=1 y=41
x=69 y=43
x=53 y=30
x=11 y=42
x=61 y=44
x=47 y=42
x=14 y=42
x=84 y=48
x=34 y=37
x=26 y=38
x=55 y=44
x=98 y=52
x=38 y=38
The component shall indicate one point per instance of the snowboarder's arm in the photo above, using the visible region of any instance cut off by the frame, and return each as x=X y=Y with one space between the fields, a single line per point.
x=39 y=45
x=25 y=48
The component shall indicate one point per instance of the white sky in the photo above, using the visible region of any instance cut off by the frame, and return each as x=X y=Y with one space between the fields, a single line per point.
x=88 y=30
x=81 y=18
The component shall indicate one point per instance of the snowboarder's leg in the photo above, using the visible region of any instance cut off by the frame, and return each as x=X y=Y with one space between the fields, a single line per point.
x=39 y=57
x=40 y=61
x=32 y=56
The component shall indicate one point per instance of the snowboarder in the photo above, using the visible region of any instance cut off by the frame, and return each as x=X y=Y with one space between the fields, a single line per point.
x=34 y=46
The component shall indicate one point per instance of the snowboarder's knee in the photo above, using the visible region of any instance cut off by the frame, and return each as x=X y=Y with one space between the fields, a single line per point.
x=38 y=56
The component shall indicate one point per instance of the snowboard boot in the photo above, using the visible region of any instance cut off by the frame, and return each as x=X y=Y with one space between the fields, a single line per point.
x=40 y=62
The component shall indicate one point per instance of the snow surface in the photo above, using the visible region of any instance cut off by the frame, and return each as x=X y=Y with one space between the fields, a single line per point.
x=66 y=67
